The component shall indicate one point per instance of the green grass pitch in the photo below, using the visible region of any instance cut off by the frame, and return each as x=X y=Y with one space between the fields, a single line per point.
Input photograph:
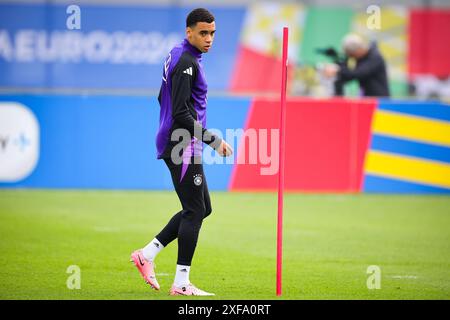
x=329 y=242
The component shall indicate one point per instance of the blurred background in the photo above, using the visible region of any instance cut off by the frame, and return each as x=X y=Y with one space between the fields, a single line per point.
x=79 y=81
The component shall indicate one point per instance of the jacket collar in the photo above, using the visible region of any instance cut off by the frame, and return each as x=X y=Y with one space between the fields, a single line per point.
x=193 y=50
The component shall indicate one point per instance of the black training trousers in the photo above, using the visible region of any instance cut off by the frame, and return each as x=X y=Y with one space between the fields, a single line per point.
x=190 y=184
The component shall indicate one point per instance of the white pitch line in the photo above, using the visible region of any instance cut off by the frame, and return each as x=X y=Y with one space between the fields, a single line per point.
x=404 y=277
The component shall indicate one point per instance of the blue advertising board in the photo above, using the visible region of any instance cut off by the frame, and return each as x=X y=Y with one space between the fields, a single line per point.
x=97 y=142
x=120 y=46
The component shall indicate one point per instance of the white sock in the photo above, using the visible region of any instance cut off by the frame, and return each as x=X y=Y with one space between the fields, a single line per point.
x=152 y=249
x=182 y=276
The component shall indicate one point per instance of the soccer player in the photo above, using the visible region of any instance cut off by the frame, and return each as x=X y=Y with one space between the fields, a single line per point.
x=183 y=102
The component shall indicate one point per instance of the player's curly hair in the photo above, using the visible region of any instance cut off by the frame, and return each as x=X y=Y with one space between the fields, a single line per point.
x=199 y=15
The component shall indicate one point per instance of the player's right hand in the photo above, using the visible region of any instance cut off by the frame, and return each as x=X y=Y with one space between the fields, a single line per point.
x=225 y=149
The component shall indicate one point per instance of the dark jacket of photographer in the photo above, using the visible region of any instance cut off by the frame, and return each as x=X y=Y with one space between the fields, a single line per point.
x=370 y=72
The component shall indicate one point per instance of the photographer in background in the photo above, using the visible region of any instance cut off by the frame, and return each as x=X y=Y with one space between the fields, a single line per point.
x=369 y=71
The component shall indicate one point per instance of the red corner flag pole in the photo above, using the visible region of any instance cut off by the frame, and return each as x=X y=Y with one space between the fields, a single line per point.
x=284 y=63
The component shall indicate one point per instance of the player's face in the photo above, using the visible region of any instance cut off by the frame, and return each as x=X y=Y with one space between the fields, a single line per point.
x=201 y=35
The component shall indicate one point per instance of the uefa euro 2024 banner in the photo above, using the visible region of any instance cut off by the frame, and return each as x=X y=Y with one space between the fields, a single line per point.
x=99 y=46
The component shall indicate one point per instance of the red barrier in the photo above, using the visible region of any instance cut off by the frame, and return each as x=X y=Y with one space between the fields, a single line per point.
x=326 y=143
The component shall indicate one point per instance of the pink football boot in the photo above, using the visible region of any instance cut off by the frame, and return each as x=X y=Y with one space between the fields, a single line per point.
x=189 y=290
x=146 y=268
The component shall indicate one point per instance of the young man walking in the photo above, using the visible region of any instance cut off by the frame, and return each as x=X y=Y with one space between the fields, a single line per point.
x=179 y=142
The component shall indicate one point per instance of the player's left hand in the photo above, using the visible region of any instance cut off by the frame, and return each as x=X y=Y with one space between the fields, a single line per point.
x=225 y=149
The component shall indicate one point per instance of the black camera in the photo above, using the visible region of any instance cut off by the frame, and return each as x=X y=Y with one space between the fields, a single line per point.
x=331 y=53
